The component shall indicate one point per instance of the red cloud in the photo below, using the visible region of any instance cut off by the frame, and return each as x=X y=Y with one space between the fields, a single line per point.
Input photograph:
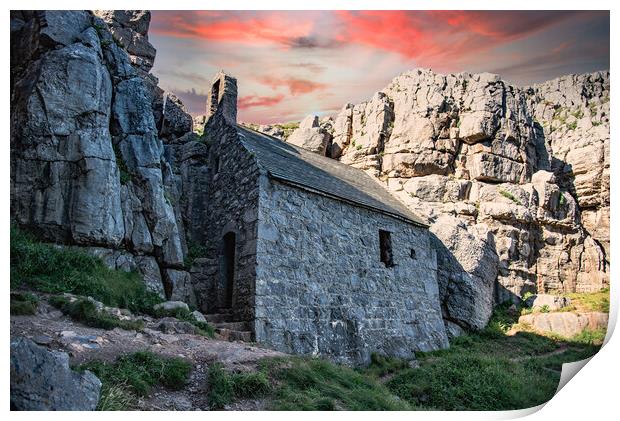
x=250 y=101
x=253 y=28
x=443 y=36
x=295 y=86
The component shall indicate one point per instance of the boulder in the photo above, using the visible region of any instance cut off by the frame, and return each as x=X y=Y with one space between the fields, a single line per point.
x=310 y=136
x=171 y=306
x=565 y=323
x=41 y=380
x=551 y=302
x=467 y=270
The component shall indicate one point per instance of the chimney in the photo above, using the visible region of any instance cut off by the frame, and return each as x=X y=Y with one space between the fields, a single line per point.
x=222 y=100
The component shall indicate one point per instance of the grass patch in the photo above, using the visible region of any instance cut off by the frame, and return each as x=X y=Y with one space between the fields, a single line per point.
x=86 y=312
x=52 y=269
x=510 y=196
x=23 y=303
x=136 y=374
x=472 y=382
x=591 y=301
x=225 y=387
x=316 y=385
x=204 y=328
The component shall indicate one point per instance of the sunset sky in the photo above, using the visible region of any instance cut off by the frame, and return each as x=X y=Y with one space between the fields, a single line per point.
x=291 y=64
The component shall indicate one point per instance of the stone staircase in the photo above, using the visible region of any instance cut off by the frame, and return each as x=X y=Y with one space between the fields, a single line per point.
x=227 y=328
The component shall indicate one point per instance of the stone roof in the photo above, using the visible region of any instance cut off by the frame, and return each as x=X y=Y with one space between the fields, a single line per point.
x=318 y=174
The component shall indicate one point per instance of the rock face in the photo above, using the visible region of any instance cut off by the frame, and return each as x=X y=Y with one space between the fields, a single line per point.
x=87 y=157
x=565 y=323
x=41 y=380
x=514 y=181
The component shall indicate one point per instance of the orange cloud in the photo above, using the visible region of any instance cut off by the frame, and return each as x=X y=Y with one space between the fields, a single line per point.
x=295 y=86
x=250 y=101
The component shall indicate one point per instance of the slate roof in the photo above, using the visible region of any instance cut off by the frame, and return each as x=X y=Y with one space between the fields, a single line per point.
x=318 y=174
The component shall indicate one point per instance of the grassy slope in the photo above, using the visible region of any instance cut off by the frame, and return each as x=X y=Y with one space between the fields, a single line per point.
x=48 y=268
x=489 y=370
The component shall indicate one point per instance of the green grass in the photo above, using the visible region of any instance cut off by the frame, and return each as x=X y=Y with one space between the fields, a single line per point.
x=23 y=304
x=591 y=301
x=510 y=196
x=194 y=251
x=52 y=269
x=487 y=370
x=303 y=383
x=86 y=312
x=135 y=374
x=204 y=328
x=225 y=387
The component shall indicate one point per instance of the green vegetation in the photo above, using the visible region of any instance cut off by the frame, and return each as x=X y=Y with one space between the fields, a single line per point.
x=136 y=374
x=510 y=196
x=53 y=269
x=194 y=251
x=561 y=200
x=572 y=126
x=225 y=387
x=578 y=114
x=487 y=370
x=592 y=301
x=204 y=328
x=23 y=303
x=292 y=125
x=125 y=174
x=85 y=311
x=302 y=383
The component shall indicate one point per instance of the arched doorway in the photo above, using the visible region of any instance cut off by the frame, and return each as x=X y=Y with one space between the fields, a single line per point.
x=228 y=268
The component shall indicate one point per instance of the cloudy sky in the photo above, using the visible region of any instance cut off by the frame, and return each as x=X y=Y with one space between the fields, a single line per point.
x=291 y=64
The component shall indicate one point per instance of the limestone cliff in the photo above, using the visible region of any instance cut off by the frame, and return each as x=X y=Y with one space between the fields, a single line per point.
x=88 y=126
x=514 y=181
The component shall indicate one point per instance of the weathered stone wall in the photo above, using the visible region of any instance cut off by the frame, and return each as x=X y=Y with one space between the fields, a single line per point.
x=232 y=207
x=321 y=287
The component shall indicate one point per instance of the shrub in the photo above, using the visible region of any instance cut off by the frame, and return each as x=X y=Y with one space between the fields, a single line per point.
x=86 y=312
x=53 y=269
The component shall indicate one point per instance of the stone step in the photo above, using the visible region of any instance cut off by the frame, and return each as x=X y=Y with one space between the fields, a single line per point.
x=218 y=317
x=234 y=335
x=242 y=326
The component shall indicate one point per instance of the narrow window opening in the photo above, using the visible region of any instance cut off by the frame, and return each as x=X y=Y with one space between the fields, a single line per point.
x=215 y=96
x=412 y=253
x=216 y=165
x=385 y=245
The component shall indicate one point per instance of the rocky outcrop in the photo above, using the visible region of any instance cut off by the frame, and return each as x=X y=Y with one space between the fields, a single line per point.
x=310 y=135
x=41 y=380
x=513 y=181
x=87 y=160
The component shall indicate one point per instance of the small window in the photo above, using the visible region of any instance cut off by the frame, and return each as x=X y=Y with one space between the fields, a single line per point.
x=216 y=165
x=412 y=253
x=385 y=245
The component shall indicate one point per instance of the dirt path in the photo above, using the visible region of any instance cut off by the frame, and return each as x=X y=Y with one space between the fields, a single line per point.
x=50 y=328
